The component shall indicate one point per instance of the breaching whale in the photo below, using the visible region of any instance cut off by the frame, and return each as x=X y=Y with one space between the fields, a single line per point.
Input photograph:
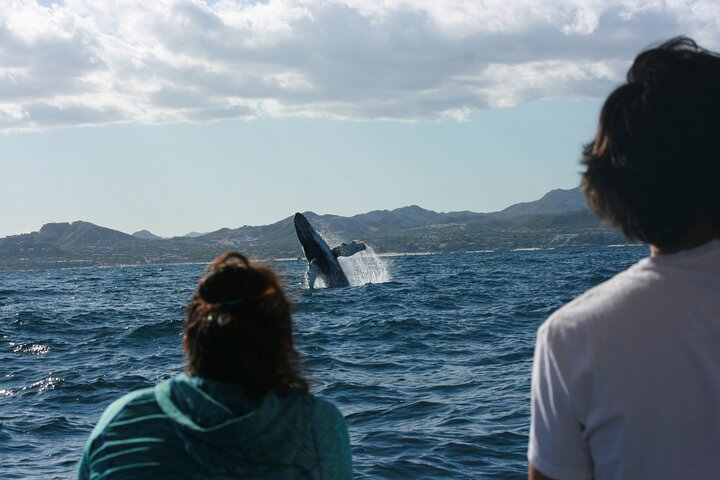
x=322 y=260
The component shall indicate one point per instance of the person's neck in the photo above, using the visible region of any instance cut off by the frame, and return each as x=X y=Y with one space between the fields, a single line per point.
x=698 y=236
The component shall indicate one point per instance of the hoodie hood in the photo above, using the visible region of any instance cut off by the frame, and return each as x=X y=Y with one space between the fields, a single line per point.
x=221 y=427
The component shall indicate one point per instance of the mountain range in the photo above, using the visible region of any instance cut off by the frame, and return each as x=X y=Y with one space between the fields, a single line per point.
x=559 y=219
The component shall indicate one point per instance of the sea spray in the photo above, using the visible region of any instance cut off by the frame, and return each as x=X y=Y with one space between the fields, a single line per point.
x=365 y=267
x=362 y=268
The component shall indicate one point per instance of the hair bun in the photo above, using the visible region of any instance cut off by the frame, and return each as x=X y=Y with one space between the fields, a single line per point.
x=232 y=280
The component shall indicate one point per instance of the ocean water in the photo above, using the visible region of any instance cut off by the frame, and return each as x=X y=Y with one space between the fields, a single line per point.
x=431 y=367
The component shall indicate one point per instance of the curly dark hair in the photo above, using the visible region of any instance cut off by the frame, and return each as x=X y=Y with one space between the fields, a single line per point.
x=653 y=168
x=238 y=329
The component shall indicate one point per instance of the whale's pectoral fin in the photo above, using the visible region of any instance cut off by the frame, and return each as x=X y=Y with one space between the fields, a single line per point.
x=312 y=273
x=348 y=249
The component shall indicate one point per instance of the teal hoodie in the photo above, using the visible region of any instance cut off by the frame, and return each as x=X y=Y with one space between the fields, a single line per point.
x=197 y=428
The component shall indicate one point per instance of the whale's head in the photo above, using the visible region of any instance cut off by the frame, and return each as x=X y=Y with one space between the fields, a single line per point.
x=302 y=227
x=313 y=244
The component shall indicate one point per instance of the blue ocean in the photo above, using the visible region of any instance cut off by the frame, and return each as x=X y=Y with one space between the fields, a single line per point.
x=427 y=356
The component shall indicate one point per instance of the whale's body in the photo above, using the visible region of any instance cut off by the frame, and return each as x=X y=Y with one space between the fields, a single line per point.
x=326 y=261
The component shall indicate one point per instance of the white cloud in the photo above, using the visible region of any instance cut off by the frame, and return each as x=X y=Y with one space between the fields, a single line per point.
x=82 y=62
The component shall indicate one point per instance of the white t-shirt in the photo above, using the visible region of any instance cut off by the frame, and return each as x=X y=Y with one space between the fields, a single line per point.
x=626 y=378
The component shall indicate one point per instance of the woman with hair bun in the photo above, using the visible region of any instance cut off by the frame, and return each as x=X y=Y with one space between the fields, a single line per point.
x=241 y=410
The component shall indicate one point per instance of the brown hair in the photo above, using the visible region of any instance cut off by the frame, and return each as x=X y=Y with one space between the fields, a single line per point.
x=238 y=329
x=653 y=168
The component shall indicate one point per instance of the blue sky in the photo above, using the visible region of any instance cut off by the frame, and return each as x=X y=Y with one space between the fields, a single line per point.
x=182 y=115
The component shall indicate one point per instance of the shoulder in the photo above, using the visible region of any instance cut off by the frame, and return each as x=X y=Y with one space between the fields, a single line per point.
x=331 y=438
x=612 y=300
x=603 y=318
x=120 y=407
x=122 y=404
x=326 y=412
x=316 y=409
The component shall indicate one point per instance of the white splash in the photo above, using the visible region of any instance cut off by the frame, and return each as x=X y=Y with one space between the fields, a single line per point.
x=365 y=267
x=319 y=282
x=361 y=268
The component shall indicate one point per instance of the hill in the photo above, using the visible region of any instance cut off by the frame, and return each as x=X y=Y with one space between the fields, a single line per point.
x=558 y=219
x=555 y=201
x=79 y=234
x=146 y=235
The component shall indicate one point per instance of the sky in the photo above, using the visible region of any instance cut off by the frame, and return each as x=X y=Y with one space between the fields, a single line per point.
x=188 y=115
